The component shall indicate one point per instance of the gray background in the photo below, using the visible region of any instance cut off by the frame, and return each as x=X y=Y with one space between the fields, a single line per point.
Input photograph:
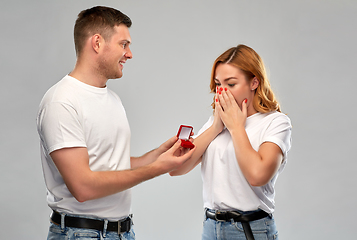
x=310 y=53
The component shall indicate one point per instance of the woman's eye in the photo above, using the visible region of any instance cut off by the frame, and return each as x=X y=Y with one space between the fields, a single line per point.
x=218 y=84
x=231 y=85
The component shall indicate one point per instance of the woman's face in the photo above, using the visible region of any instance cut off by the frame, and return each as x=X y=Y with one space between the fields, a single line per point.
x=232 y=78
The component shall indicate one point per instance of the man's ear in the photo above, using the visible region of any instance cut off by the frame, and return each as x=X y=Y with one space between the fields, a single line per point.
x=96 y=42
x=254 y=83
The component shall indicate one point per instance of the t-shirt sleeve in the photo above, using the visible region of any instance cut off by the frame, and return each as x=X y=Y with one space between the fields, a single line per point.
x=279 y=132
x=59 y=127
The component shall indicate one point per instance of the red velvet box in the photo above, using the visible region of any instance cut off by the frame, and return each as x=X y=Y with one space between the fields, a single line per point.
x=184 y=134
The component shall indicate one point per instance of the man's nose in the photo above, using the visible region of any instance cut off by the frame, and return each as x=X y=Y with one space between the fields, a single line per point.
x=128 y=54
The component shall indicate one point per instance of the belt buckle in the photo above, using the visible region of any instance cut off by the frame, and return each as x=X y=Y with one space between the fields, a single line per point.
x=217 y=213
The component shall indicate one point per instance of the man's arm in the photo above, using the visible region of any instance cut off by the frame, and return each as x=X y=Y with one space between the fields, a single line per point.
x=85 y=184
x=151 y=156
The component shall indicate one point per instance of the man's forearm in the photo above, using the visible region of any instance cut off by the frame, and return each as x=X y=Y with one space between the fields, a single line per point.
x=102 y=184
x=144 y=160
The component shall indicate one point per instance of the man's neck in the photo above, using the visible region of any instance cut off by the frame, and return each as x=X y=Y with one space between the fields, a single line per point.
x=88 y=76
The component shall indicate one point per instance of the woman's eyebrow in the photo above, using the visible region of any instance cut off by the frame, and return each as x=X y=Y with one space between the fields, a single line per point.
x=226 y=79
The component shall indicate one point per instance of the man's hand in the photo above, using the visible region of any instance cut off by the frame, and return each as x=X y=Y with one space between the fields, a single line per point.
x=174 y=157
x=166 y=145
x=170 y=143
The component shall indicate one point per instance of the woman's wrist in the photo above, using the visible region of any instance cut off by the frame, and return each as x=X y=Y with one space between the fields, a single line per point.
x=215 y=130
x=238 y=129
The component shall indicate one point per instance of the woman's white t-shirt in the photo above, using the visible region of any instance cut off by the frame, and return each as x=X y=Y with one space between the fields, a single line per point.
x=224 y=185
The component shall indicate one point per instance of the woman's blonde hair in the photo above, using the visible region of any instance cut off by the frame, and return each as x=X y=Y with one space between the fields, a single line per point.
x=250 y=63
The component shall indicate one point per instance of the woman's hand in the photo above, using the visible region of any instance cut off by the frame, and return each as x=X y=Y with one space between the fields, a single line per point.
x=217 y=122
x=230 y=113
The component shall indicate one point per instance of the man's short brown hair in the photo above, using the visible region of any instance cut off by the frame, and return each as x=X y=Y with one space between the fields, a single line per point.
x=97 y=20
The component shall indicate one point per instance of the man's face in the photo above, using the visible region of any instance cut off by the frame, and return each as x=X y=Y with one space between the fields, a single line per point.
x=115 y=53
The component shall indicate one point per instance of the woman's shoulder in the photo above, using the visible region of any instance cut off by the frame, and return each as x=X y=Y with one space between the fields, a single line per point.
x=270 y=118
x=277 y=115
x=275 y=119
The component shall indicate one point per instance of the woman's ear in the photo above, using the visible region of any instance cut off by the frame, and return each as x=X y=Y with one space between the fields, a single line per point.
x=254 y=83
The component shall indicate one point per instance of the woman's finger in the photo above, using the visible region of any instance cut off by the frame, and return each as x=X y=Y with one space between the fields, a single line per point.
x=218 y=106
x=221 y=99
x=245 y=107
x=230 y=97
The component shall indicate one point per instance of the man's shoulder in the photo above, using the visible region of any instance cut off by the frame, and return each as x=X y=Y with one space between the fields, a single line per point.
x=61 y=91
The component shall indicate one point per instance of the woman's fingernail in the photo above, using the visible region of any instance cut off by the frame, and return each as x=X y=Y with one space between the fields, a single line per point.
x=221 y=88
x=219 y=92
x=225 y=89
x=216 y=100
x=245 y=100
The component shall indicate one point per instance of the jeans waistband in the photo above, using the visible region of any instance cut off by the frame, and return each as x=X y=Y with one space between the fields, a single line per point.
x=237 y=216
x=120 y=226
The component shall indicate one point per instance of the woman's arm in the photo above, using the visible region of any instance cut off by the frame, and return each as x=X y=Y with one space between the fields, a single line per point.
x=259 y=166
x=201 y=143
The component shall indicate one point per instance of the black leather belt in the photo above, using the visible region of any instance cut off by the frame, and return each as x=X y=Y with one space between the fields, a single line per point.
x=78 y=222
x=227 y=216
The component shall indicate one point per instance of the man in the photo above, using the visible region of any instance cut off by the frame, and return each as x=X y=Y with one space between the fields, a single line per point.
x=85 y=137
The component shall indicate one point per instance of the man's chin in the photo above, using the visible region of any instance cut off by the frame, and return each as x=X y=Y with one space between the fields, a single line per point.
x=117 y=76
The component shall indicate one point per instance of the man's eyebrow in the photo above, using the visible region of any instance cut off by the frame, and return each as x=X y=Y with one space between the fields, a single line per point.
x=125 y=41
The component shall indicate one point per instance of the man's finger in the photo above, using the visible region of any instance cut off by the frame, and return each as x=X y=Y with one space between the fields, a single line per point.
x=176 y=146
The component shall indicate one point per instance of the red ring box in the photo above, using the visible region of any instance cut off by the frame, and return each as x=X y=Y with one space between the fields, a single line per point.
x=184 y=134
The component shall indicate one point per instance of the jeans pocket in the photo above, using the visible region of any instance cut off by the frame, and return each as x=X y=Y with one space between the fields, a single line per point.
x=55 y=229
x=129 y=235
x=55 y=232
x=256 y=228
x=86 y=234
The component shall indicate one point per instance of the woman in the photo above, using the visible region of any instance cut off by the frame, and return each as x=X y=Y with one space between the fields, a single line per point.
x=243 y=147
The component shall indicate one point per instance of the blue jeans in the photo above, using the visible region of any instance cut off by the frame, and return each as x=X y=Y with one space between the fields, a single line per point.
x=68 y=233
x=263 y=229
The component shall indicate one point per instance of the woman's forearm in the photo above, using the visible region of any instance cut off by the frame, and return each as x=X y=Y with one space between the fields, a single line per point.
x=201 y=143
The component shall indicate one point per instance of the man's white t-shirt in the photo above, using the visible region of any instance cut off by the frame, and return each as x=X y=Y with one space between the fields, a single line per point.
x=224 y=185
x=74 y=114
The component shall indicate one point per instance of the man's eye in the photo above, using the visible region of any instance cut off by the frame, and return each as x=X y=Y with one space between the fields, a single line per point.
x=124 y=45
